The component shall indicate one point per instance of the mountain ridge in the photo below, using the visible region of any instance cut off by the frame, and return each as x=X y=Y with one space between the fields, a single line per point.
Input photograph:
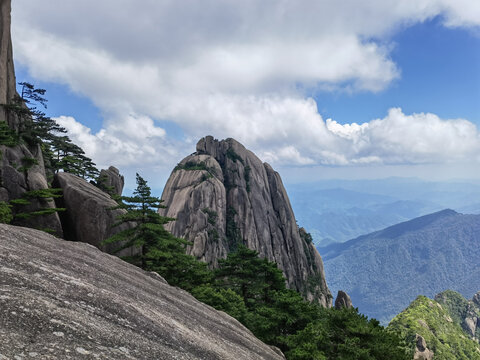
x=383 y=274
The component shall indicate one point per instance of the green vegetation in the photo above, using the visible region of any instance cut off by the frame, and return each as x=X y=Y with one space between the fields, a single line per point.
x=434 y=323
x=454 y=303
x=212 y=232
x=247 y=170
x=8 y=137
x=345 y=334
x=232 y=155
x=192 y=165
x=158 y=250
x=211 y=215
x=34 y=203
x=35 y=128
x=5 y=213
x=251 y=289
x=232 y=232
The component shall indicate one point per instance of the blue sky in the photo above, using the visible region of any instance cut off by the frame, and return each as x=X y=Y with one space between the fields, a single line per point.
x=373 y=91
x=440 y=73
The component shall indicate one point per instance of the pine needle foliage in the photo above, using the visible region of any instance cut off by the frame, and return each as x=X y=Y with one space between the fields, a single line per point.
x=158 y=250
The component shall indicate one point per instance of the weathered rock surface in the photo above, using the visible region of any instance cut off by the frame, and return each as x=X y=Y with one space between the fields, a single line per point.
x=7 y=71
x=110 y=179
x=15 y=177
x=223 y=195
x=343 y=300
x=88 y=217
x=421 y=350
x=66 y=300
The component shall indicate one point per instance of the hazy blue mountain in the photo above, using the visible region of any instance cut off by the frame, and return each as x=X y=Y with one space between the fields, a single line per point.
x=384 y=271
x=339 y=210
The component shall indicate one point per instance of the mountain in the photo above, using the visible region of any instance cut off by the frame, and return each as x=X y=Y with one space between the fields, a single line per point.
x=68 y=300
x=465 y=313
x=340 y=210
x=223 y=195
x=385 y=270
x=438 y=324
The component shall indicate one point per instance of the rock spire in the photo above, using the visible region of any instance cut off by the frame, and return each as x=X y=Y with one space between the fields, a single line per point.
x=223 y=195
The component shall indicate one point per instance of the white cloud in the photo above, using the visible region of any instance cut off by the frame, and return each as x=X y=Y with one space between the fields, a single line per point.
x=237 y=69
x=126 y=142
x=410 y=139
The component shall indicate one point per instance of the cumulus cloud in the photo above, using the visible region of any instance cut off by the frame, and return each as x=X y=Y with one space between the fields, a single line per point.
x=125 y=142
x=409 y=139
x=237 y=69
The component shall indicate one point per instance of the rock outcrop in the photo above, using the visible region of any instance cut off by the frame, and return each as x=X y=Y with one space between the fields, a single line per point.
x=223 y=195
x=7 y=71
x=89 y=216
x=21 y=166
x=111 y=180
x=343 y=300
x=68 y=300
x=421 y=350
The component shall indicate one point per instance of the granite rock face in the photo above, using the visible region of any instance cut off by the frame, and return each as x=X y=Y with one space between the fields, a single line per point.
x=7 y=71
x=68 y=300
x=15 y=177
x=111 y=180
x=343 y=300
x=421 y=350
x=222 y=196
x=88 y=217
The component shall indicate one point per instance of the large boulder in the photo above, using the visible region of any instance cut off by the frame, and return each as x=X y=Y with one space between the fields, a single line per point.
x=66 y=300
x=222 y=196
x=89 y=215
x=111 y=181
x=421 y=350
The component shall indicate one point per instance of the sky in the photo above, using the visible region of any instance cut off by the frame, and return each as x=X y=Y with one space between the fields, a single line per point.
x=318 y=89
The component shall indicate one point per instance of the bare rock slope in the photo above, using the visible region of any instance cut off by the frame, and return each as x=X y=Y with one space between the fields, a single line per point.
x=68 y=300
x=223 y=195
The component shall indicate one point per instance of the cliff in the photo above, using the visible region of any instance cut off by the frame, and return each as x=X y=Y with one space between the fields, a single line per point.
x=7 y=71
x=223 y=195
x=21 y=165
x=61 y=300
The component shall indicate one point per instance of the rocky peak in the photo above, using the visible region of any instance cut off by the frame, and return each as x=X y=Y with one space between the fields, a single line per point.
x=476 y=299
x=223 y=195
x=111 y=180
x=343 y=300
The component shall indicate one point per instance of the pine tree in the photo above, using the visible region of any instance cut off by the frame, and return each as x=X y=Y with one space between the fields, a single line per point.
x=58 y=150
x=250 y=276
x=159 y=250
x=34 y=203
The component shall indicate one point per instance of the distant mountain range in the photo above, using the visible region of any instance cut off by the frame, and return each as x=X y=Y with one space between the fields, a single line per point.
x=340 y=210
x=387 y=269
